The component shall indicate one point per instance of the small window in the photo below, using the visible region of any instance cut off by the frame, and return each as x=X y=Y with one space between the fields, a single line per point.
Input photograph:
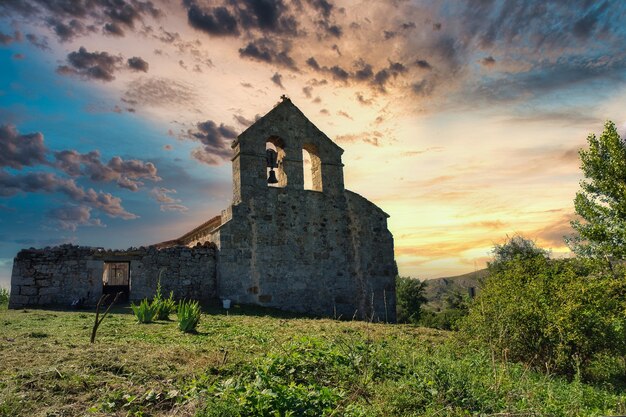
x=312 y=166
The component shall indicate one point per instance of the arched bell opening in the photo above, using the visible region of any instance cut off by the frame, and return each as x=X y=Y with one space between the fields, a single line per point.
x=312 y=166
x=274 y=157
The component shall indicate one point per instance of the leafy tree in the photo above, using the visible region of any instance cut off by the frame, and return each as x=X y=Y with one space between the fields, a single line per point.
x=556 y=315
x=409 y=298
x=516 y=247
x=601 y=202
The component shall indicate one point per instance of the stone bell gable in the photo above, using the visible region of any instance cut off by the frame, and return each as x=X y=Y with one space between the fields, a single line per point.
x=294 y=238
x=288 y=130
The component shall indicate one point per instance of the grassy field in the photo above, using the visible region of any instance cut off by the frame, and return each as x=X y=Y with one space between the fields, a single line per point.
x=260 y=362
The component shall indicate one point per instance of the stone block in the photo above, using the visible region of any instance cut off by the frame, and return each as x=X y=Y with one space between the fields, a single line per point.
x=49 y=291
x=22 y=280
x=27 y=291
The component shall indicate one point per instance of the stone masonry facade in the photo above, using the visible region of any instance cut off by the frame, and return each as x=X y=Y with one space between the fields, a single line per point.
x=63 y=274
x=323 y=250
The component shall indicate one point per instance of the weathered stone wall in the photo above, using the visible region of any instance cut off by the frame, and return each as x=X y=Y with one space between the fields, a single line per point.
x=309 y=252
x=188 y=271
x=55 y=275
x=59 y=275
x=372 y=261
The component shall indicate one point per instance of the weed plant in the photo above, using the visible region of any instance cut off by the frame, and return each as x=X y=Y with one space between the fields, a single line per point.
x=188 y=315
x=145 y=311
x=163 y=306
x=4 y=298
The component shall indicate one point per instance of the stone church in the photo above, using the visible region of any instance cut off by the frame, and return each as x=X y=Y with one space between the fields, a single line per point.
x=294 y=238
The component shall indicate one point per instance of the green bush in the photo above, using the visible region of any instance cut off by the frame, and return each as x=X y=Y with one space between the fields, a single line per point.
x=145 y=311
x=446 y=319
x=4 y=297
x=163 y=306
x=409 y=299
x=554 y=315
x=455 y=307
x=188 y=315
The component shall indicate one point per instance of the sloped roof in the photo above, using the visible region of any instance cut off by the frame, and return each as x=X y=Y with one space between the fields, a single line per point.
x=286 y=105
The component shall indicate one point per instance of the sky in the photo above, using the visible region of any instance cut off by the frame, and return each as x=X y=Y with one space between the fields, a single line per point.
x=460 y=119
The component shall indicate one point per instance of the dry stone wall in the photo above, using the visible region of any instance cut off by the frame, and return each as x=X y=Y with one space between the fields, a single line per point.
x=62 y=274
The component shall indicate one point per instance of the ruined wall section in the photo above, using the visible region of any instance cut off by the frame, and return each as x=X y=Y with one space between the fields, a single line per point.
x=55 y=275
x=59 y=275
x=372 y=259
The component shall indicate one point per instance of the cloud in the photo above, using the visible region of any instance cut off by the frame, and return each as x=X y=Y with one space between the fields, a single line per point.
x=552 y=235
x=267 y=50
x=113 y=29
x=18 y=151
x=423 y=87
x=38 y=42
x=137 y=64
x=71 y=216
x=91 y=65
x=162 y=92
x=423 y=64
x=364 y=72
x=324 y=7
x=69 y=19
x=45 y=182
x=344 y=114
x=488 y=61
x=312 y=62
x=125 y=173
x=540 y=80
x=174 y=207
x=443 y=249
x=218 y=21
x=216 y=140
x=339 y=73
x=167 y=203
x=364 y=101
x=244 y=121
x=66 y=32
x=278 y=80
x=248 y=15
x=585 y=26
x=370 y=137
x=7 y=39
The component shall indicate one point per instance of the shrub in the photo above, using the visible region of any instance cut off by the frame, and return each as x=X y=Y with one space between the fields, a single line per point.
x=455 y=307
x=163 y=306
x=4 y=297
x=188 y=315
x=409 y=299
x=145 y=311
x=447 y=319
x=555 y=315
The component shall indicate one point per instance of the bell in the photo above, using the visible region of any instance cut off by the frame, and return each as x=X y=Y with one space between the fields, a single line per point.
x=271 y=158
x=272 y=177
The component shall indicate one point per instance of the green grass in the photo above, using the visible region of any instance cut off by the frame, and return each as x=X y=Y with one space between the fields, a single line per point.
x=259 y=362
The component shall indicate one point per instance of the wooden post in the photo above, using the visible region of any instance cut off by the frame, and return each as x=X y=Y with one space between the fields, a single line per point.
x=97 y=322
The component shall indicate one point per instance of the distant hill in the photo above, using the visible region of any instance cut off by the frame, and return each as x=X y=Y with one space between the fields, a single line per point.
x=438 y=288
